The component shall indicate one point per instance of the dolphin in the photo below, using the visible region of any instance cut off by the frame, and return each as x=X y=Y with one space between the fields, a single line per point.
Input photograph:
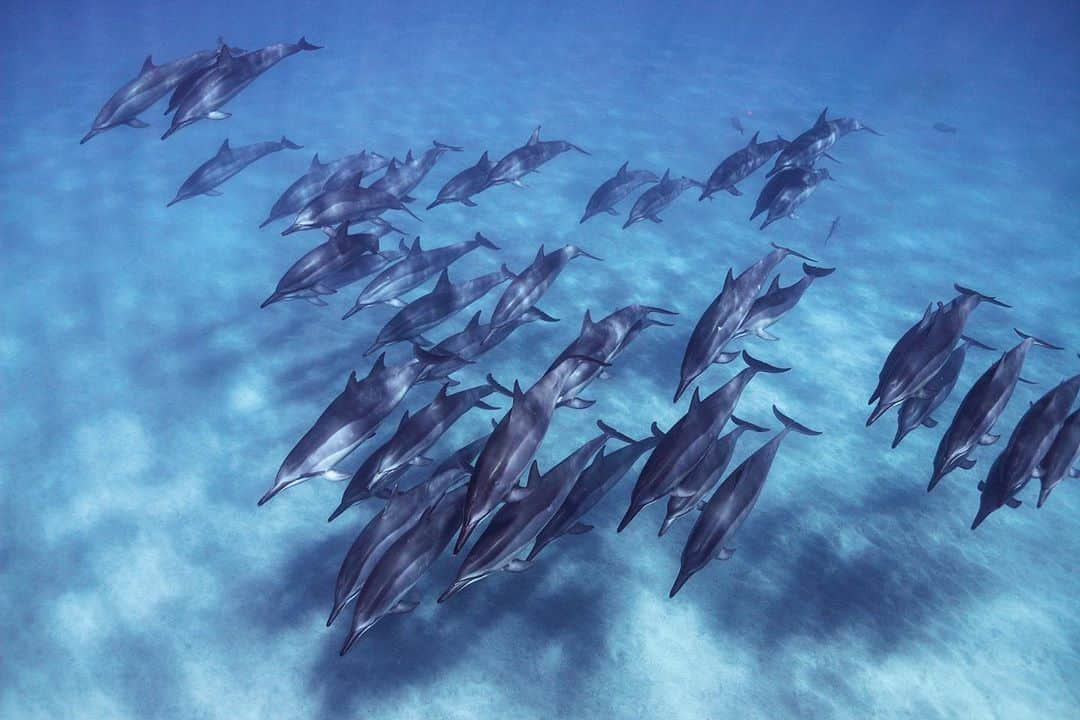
x=1059 y=461
x=531 y=284
x=691 y=491
x=688 y=439
x=730 y=505
x=474 y=341
x=401 y=567
x=777 y=302
x=725 y=315
x=980 y=409
x=832 y=229
x=441 y=303
x=517 y=523
x=312 y=183
x=944 y=128
x=229 y=75
x=227 y=162
x=1032 y=437
x=513 y=444
x=328 y=267
x=402 y=178
x=151 y=84
x=593 y=484
x=919 y=409
x=350 y=419
x=786 y=191
x=417 y=266
x=740 y=165
x=658 y=197
x=925 y=352
x=465 y=184
x=527 y=159
x=415 y=435
x=803 y=151
x=191 y=79
x=615 y=189
x=604 y=340
x=346 y=204
x=402 y=511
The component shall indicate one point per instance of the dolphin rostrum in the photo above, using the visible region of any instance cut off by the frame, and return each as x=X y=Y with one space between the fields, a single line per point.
x=227 y=162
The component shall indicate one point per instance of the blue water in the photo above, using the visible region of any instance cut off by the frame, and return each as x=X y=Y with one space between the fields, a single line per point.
x=147 y=401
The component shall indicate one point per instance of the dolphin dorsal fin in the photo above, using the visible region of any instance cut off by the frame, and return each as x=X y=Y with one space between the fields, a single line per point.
x=667 y=176
x=416 y=249
x=775 y=286
x=443 y=284
x=483 y=159
x=729 y=280
x=535 y=137
x=380 y=364
x=224 y=149
x=622 y=169
x=315 y=164
x=696 y=399
x=587 y=322
x=753 y=140
x=408 y=157
x=539 y=255
x=404 y=419
x=534 y=476
x=148 y=65
x=519 y=394
x=351 y=381
x=474 y=322
x=821 y=118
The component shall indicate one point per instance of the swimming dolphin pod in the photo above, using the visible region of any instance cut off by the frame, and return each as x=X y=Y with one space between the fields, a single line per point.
x=319 y=177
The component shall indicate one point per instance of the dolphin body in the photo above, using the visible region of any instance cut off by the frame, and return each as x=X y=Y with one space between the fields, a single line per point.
x=805 y=150
x=151 y=84
x=227 y=162
x=415 y=435
x=513 y=444
x=740 y=165
x=527 y=159
x=689 y=439
x=604 y=340
x=224 y=81
x=725 y=315
x=980 y=409
x=194 y=77
x=924 y=351
x=1031 y=439
x=341 y=260
x=777 y=302
x=691 y=491
x=919 y=409
x=1059 y=460
x=658 y=197
x=401 y=567
x=730 y=505
x=345 y=205
x=615 y=190
x=474 y=341
x=517 y=523
x=402 y=178
x=465 y=184
x=444 y=301
x=350 y=419
x=591 y=486
x=531 y=284
x=786 y=191
x=312 y=183
x=417 y=266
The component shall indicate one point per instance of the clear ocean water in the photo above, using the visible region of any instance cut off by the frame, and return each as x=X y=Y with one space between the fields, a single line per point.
x=148 y=401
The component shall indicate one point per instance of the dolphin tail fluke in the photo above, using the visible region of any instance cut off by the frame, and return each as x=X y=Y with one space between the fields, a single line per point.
x=790 y=424
x=483 y=241
x=817 y=272
x=612 y=432
x=789 y=251
x=654 y=309
x=444 y=146
x=580 y=150
x=498 y=387
x=303 y=44
x=982 y=298
x=760 y=365
x=287 y=143
x=748 y=425
x=1036 y=341
x=975 y=343
x=871 y=130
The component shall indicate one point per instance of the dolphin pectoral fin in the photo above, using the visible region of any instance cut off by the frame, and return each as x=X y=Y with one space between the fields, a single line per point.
x=989 y=439
x=735 y=191
x=468 y=203
x=421 y=461
x=577 y=403
x=336 y=475
x=519 y=184
x=213 y=193
x=408 y=198
x=604 y=375
x=516 y=566
x=517 y=493
x=1013 y=503
x=137 y=123
x=316 y=300
x=725 y=553
x=218 y=115
x=394 y=303
x=405 y=606
x=1074 y=473
x=967 y=464
x=725 y=357
x=929 y=422
x=765 y=334
x=656 y=219
x=579 y=529
x=612 y=211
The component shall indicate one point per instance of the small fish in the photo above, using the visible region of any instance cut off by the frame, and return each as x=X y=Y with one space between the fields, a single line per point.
x=737 y=124
x=944 y=128
x=832 y=228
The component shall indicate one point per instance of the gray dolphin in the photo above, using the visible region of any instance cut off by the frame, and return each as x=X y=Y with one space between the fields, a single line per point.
x=531 y=284
x=346 y=204
x=925 y=351
x=786 y=191
x=402 y=566
x=415 y=268
x=517 y=523
x=593 y=484
x=777 y=302
x=1030 y=440
x=740 y=165
x=465 y=184
x=919 y=409
x=191 y=79
x=230 y=74
x=730 y=505
x=443 y=302
x=658 y=197
x=604 y=340
x=151 y=84
x=227 y=162
x=688 y=439
x=402 y=178
x=1059 y=460
x=415 y=435
x=328 y=267
x=527 y=159
x=312 y=183
x=804 y=150
x=350 y=419
x=980 y=409
x=725 y=315
x=513 y=444
x=613 y=190
x=690 y=493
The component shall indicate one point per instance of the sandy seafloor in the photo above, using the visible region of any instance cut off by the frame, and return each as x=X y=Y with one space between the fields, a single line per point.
x=147 y=401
